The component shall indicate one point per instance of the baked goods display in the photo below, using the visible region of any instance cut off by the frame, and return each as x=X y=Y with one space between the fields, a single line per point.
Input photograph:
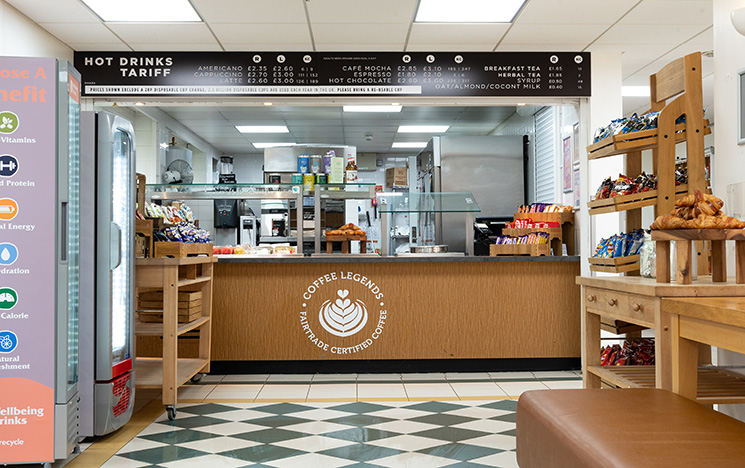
x=697 y=211
x=347 y=230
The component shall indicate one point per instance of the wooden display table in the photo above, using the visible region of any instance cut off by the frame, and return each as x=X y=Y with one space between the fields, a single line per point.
x=637 y=300
x=171 y=275
x=683 y=243
x=715 y=321
x=346 y=243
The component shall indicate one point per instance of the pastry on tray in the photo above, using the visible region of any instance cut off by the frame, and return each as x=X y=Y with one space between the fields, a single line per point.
x=697 y=211
x=347 y=230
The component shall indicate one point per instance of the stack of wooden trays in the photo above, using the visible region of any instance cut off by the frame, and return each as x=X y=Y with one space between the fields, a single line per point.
x=150 y=306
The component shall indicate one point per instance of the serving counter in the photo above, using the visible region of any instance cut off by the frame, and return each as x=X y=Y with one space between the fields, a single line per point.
x=335 y=308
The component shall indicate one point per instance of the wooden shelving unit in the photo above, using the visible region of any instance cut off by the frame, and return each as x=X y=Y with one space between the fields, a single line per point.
x=171 y=275
x=616 y=264
x=679 y=82
x=715 y=385
x=534 y=250
x=564 y=234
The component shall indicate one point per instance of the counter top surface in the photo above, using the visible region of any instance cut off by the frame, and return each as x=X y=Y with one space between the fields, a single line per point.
x=702 y=287
x=352 y=258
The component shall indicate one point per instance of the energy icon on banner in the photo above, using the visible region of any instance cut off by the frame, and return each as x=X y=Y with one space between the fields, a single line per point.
x=342 y=317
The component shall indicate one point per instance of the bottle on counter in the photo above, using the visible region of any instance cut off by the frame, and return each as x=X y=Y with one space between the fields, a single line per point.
x=351 y=169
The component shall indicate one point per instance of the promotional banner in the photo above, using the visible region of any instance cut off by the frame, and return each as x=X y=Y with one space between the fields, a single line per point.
x=528 y=74
x=27 y=258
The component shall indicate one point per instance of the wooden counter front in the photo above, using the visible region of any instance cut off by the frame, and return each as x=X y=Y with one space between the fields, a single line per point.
x=430 y=310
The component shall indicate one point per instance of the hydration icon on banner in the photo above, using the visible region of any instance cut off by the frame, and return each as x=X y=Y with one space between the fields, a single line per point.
x=8 y=209
x=8 y=298
x=8 y=341
x=8 y=253
x=8 y=165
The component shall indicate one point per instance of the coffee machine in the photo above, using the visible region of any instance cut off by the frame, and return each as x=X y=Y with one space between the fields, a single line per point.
x=248 y=230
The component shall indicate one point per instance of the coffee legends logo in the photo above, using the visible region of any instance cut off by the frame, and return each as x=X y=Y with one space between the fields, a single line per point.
x=339 y=301
x=343 y=317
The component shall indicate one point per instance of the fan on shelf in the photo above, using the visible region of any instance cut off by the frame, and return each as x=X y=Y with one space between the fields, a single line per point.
x=178 y=172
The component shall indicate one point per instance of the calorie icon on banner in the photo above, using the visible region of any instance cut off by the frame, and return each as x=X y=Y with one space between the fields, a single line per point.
x=8 y=298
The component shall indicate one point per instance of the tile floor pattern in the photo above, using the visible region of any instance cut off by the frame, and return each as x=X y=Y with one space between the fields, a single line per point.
x=461 y=432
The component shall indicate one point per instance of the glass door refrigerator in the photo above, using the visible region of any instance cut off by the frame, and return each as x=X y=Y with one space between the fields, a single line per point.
x=107 y=315
x=39 y=253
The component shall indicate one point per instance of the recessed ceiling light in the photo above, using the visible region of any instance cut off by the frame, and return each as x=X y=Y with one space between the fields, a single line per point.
x=271 y=145
x=635 y=91
x=390 y=108
x=262 y=128
x=467 y=11
x=139 y=103
x=409 y=144
x=144 y=10
x=268 y=103
x=423 y=128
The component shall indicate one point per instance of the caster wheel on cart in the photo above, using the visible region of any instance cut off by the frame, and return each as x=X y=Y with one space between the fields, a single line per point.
x=196 y=378
x=171 y=410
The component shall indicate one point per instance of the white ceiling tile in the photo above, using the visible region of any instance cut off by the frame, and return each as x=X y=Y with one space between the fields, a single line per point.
x=160 y=47
x=428 y=33
x=278 y=33
x=361 y=11
x=548 y=47
x=450 y=47
x=649 y=34
x=57 y=11
x=355 y=34
x=553 y=33
x=362 y=47
x=80 y=32
x=632 y=52
x=251 y=11
x=279 y=47
x=99 y=46
x=574 y=11
x=693 y=12
x=183 y=33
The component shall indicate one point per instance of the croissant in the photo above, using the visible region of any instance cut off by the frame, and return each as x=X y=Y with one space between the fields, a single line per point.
x=668 y=221
x=688 y=200
x=335 y=232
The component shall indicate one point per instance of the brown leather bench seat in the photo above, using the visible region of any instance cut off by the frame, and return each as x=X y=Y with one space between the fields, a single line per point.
x=646 y=428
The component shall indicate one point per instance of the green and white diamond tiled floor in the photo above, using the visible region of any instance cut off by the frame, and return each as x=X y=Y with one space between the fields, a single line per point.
x=350 y=420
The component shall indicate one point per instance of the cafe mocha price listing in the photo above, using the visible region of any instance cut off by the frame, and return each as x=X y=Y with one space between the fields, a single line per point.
x=529 y=74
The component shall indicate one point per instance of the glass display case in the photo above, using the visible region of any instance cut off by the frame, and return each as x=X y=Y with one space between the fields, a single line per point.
x=288 y=192
x=422 y=227
x=346 y=192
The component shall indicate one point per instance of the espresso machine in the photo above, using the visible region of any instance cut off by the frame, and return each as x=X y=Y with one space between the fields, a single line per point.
x=248 y=230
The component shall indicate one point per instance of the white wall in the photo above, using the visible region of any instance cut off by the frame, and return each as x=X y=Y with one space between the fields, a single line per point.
x=21 y=37
x=729 y=165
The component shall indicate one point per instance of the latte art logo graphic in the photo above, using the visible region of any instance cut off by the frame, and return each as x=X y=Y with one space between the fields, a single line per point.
x=343 y=312
x=343 y=317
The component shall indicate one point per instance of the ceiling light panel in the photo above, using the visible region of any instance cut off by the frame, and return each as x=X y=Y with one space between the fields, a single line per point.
x=271 y=145
x=423 y=128
x=144 y=10
x=262 y=128
x=409 y=144
x=372 y=108
x=467 y=11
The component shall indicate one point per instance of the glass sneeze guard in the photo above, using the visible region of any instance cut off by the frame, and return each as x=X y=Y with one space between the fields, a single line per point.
x=438 y=202
x=429 y=207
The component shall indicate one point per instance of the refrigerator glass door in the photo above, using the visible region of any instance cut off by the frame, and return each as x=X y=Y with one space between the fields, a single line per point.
x=73 y=243
x=121 y=240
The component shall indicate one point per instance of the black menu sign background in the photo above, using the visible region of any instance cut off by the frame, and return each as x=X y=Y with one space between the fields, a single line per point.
x=530 y=74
